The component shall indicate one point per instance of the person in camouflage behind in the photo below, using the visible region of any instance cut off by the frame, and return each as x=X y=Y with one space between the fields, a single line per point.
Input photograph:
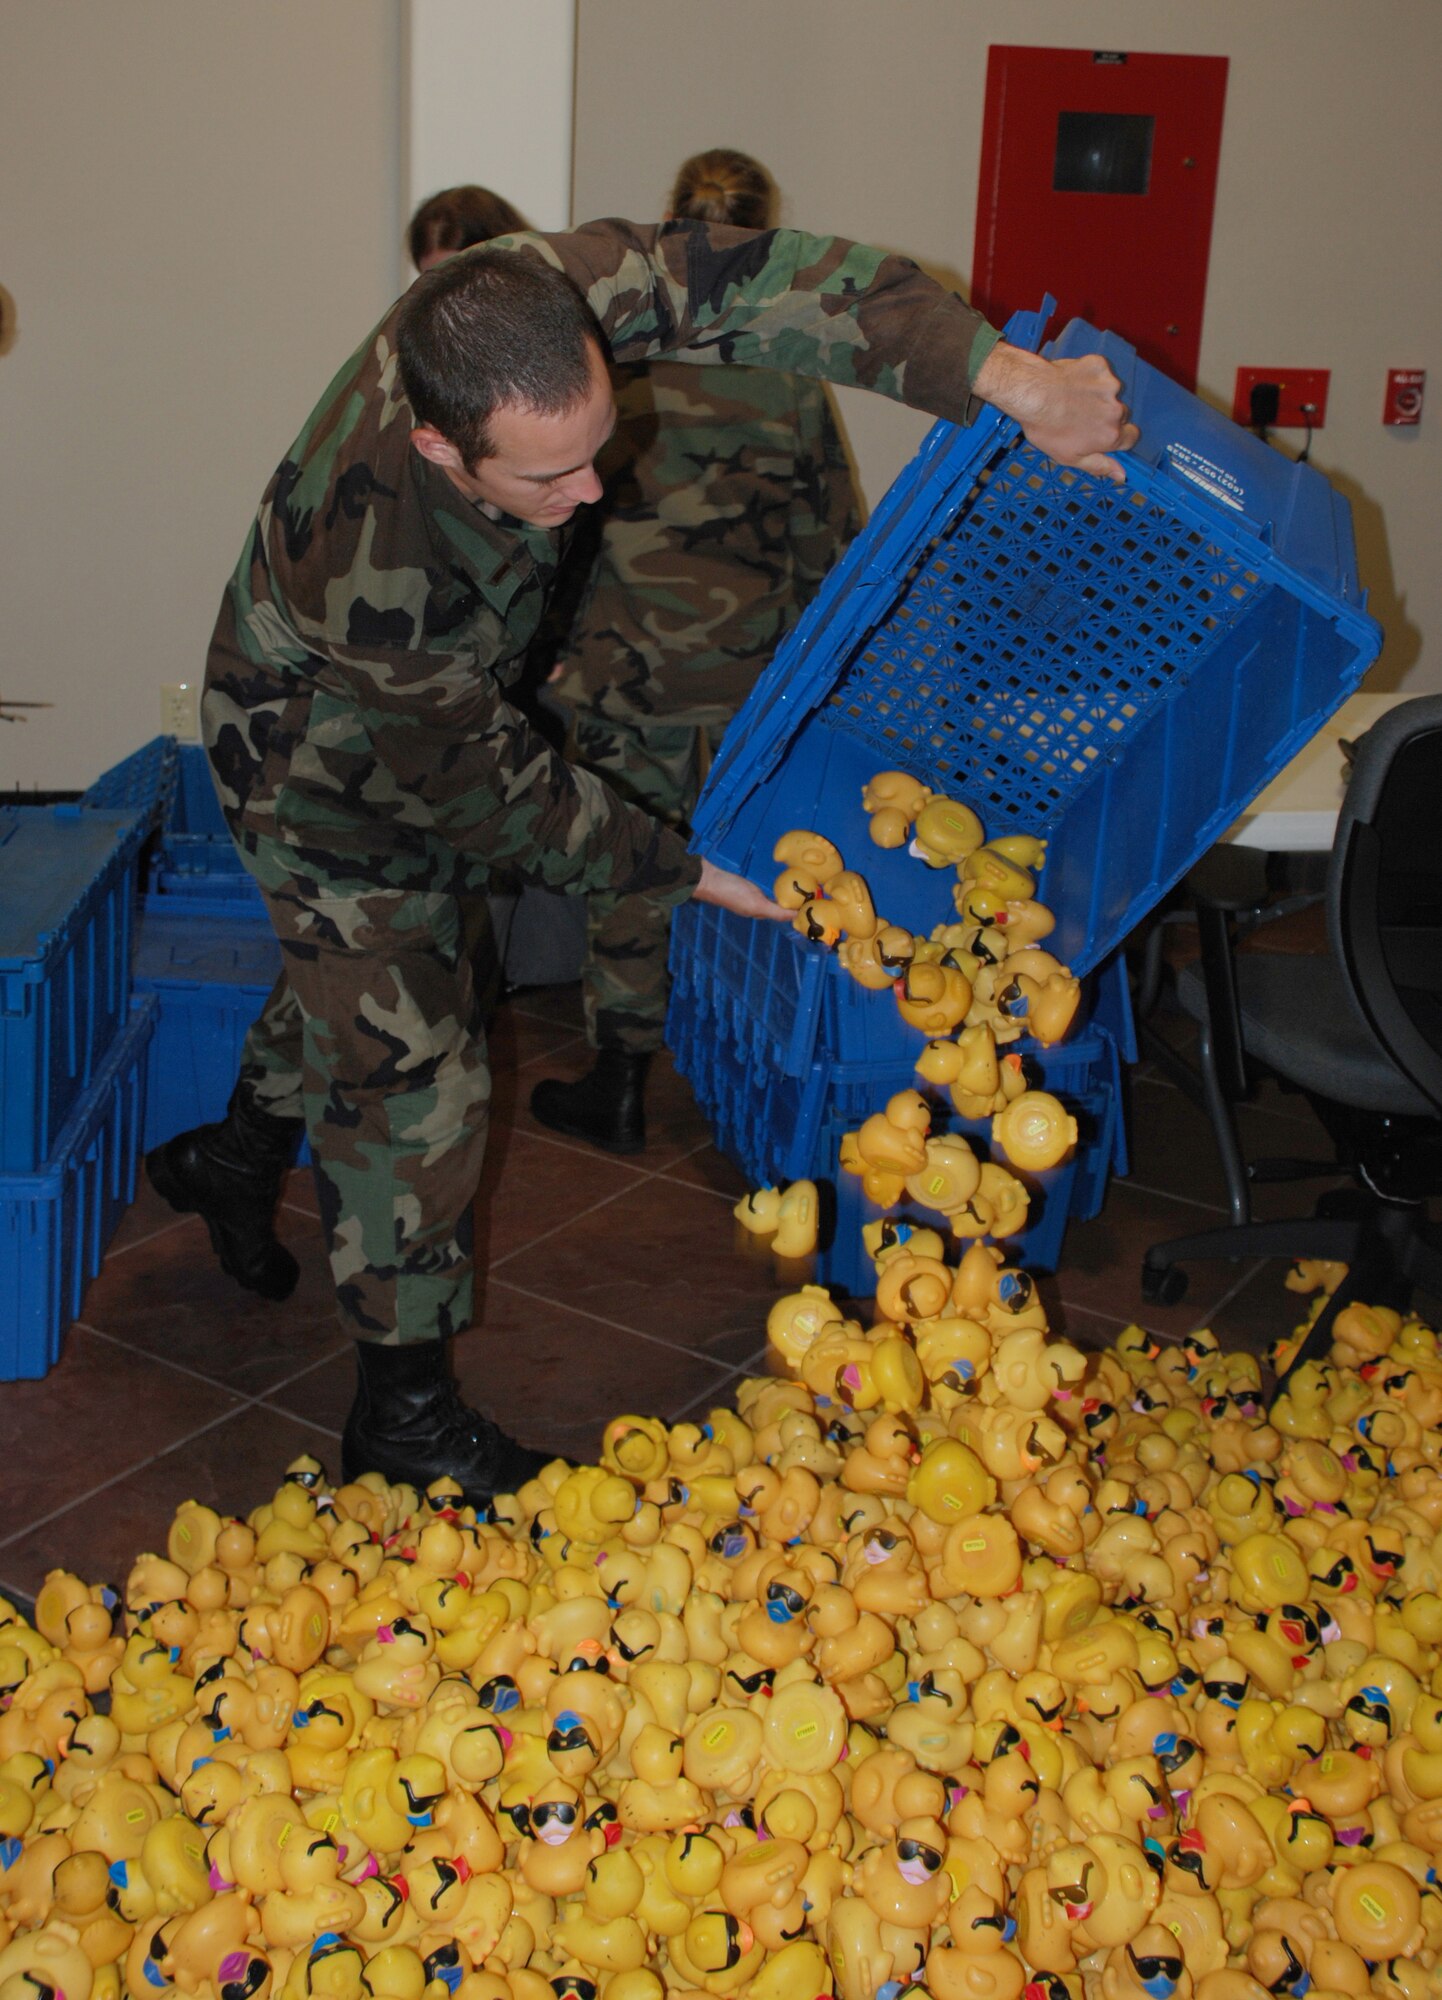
x=371 y=769
x=455 y=219
x=728 y=498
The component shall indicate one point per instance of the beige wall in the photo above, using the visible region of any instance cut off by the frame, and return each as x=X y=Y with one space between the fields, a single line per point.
x=200 y=218
x=489 y=88
x=869 y=114
x=202 y=212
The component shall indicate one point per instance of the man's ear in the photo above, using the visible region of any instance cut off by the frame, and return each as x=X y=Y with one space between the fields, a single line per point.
x=429 y=442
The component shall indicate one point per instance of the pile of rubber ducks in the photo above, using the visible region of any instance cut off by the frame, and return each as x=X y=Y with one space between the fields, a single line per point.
x=953 y=1657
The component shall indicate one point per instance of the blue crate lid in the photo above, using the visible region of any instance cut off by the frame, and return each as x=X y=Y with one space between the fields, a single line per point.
x=50 y=859
x=1121 y=668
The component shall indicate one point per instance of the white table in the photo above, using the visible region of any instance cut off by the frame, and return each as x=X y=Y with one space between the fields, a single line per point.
x=1297 y=813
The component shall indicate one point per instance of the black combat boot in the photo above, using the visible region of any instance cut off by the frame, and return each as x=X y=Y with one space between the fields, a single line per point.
x=230 y=1175
x=408 y=1423
x=606 y=1107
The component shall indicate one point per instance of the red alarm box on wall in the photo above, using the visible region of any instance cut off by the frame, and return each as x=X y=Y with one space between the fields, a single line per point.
x=1403 y=404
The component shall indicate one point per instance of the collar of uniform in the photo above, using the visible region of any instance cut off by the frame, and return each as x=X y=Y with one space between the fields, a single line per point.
x=495 y=550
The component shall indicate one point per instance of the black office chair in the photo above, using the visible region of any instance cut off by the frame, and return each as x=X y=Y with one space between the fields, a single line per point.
x=1359 y=1032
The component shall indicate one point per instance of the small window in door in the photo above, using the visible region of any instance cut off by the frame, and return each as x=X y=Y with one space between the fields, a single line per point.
x=1102 y=152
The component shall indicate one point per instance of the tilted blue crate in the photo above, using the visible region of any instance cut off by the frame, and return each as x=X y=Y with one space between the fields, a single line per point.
x=210 y=974
x=1120 y=669
x=55 y=1223
x=67 y=891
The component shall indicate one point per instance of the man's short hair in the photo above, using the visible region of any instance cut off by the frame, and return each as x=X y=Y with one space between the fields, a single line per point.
x=490 y=328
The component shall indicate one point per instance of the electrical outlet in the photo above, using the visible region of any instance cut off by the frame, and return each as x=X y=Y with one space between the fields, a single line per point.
x=180 y=710
x=1302 y=396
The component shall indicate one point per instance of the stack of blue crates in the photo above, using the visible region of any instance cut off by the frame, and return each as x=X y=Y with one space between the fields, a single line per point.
x=72 y=1063
x=1117 y=668
x=196 y=861
x=204 y=950
x=209 y=970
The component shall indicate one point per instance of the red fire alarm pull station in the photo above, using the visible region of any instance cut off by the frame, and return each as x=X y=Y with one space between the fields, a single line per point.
x=1403 y=406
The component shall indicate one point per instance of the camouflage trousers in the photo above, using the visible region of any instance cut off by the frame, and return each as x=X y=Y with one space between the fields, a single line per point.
x=660 y=766
x=375 y=1035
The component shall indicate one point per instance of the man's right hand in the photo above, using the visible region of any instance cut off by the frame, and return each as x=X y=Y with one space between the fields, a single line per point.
x=1071 y=410
x=734 y=892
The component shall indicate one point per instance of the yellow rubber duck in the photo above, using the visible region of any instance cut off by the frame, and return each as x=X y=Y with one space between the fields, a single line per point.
x=862 y=958
x=811 y=851
x=851 y=902
x=933 y=998
x=592 y=1504
x=996 y=873
x=948 y=1177
x=1035 y=1131
x=894 y=1140
x=893 y=799
x=818 y=922
x=945 y=832
x=796 y=1319
x=659 y=1798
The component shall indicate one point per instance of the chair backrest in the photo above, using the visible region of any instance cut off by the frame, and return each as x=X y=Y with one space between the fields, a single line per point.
x=1384 y=888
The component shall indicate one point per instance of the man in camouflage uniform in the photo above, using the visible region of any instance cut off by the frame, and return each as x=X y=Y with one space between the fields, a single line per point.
x=371 y=770
x=728 y=498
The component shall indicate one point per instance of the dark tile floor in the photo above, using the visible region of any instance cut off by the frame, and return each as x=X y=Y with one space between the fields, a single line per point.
x=608 y=1285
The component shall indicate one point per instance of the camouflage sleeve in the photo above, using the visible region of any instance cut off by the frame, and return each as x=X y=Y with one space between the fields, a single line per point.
x=776 y=298
x=825 y=506
x=448 y=737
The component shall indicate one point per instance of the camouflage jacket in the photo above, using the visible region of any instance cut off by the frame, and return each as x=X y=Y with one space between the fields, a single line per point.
x=354 y=704
x=728 y=497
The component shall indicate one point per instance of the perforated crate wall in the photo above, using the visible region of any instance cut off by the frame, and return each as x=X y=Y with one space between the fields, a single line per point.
x=1033 y=639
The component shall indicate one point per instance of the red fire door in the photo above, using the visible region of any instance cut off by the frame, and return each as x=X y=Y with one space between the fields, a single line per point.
x=1098 y=172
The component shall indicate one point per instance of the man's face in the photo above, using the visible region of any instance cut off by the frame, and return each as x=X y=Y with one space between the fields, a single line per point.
x=542 y=468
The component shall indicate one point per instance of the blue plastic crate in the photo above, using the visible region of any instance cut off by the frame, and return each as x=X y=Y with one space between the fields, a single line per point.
x=1119 y=668
x=780 y=1128
x=223 y=891
x=194 y=837
x=790 y=1010
x=1075 y=1188
x=780 y=1120
x=141 y=783
x=210 y=976
x=67 y=891
x=55 y=1223
x=196 y=863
